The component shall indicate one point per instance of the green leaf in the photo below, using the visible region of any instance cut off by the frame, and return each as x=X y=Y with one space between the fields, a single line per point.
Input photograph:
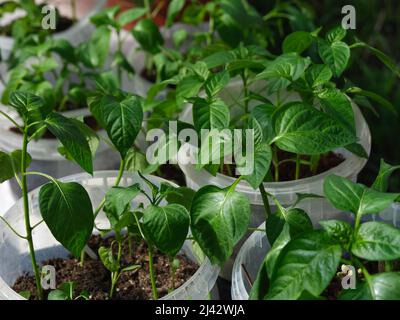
x=106 y=17
x=260 y=286
x=179 y=36
x=298 y=41
x=340 y=231
x=286 y=68
x=262 y=162
x=338 y=106
x=118 y=201
x=148 y=35
x=386 y=60
x=263 y=114
x=64 y=292
x=381 y=182
x=183 y=196
x=377 y=241
x=95 y=53
x=358 y=150
x=385 y=286
x=299 y=267
x=72 y=138
x=166 y=227
x=15 y=79
x=361 y=292
x=318 y=74
x=131 y=15
x=375 y=97
x=218 y=59
x=275 y=251
x=216 y=83
x=220 y=218
x=28 y=105
x=122 y=119
x=356 y=198
x=336 y=34
x=188 y=87
x=135 y=161
x=210 y=115
x=67 y=210
x=10 y=164
x=302 y=129
x=336 y=55
x=108 y=260
x=174 y=8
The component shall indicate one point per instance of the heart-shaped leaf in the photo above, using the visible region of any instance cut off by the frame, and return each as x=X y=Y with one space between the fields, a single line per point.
x=147 y=33
x=377 y=241
x=11 y=164
x=381 y=182
x=67 y=210
x=166 y=227
x=298 y=41
x=210 y=115
x=220 y=218
x=302 y=129
x=336 y=55
x=299 y=267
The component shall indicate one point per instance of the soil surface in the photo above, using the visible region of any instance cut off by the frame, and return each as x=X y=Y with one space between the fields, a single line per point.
x=94 y=278
x=287 y=170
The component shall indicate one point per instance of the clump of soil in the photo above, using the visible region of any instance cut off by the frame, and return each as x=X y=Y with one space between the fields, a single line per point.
x=94 y=278
x=287 y=170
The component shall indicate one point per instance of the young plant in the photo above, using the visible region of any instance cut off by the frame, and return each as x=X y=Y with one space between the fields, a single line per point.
x=65 y=207
x=218 y=219
x=303 y=262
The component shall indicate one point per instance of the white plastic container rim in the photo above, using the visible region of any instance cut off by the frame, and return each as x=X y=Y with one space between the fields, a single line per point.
x=257 y=243
x=197 y=287
x=7 y=43
x=350 y=167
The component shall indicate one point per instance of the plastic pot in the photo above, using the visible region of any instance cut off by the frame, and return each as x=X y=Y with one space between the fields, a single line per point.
x=254 y=250
x=78 y=33
x=14 y=255
x=318 y=209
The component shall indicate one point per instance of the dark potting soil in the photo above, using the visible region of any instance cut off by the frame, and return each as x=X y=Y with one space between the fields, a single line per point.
x=287 y=170
x=94 y=278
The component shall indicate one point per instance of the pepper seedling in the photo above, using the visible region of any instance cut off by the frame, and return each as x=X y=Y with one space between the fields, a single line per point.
x=65 y=207
x=303 y=262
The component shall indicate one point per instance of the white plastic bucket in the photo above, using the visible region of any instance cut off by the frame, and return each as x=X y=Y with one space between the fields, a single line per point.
x=78 y=33
x=14 y=255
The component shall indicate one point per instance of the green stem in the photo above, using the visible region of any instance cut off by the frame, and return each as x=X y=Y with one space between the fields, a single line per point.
x=12 y=229
x=152 y=274
x=275 y=162
x=148 y=8
x=120 y=51
x=12 y=121
x=245 y=92
x=298 y=163
x=27 y=217
x=265 y=199
x=73 y=9
x=256 y=230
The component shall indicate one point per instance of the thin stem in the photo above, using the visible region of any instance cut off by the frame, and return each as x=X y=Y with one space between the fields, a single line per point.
x=12 y=229
x=298 y=163
x=117 y=182
x=256 y=230
x=275 y=162
x=12 y=121
x=27 y=217
x=265 y=199
x=73 y=9
x=37 y=224
x=148 y=8
x=152 y=274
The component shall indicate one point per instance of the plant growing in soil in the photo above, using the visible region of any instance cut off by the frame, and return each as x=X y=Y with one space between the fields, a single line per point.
x=65 y=207
x=305 y=264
